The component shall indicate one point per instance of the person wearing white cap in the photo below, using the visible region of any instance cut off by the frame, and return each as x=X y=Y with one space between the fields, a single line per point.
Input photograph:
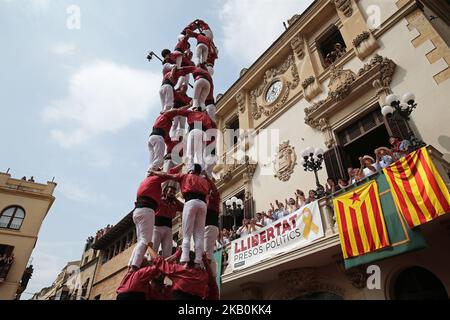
x=368 y=166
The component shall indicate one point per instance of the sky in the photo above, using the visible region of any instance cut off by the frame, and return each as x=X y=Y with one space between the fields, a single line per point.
x=78 y=99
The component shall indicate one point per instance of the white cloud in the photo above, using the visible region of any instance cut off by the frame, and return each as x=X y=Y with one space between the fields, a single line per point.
x=37 y=5
x=77 y=193
x=103 y=98
x=250 y=27
x=63 y=48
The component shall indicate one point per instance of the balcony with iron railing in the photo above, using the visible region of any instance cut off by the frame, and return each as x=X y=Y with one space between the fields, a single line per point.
x=324 y=250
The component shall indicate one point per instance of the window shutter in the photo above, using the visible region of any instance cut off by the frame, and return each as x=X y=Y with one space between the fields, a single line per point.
x=398 y=127
x=336 y=163
x=249 y=208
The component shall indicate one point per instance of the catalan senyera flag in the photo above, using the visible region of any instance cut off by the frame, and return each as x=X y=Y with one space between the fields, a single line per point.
x=361 y=221
x=417 y=188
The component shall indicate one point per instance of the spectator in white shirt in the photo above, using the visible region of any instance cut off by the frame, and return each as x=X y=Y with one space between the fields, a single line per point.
x=368 y=166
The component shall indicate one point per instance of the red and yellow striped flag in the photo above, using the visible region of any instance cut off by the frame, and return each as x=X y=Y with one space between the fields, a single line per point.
x=361 y=221
x=417 y=188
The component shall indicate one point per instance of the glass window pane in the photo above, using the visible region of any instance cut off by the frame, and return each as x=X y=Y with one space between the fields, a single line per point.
x=4 y=221
x=8 y=212
x=20 y=213
x=16 y=223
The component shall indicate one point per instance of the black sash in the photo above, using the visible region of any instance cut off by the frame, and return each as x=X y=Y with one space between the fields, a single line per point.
x=163 y=222
x=212 y=218
x=146 y=202
x=158 y=132
x=194 y=196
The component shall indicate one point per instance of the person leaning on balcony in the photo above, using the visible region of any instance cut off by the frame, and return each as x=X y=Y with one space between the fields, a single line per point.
x=291 y=205
x=330 y=186
x=400 y=148
x=244 y=229
x=368 y=166
x=312 y=197
x=300 y=198
x=384 y=157
x=342 y=183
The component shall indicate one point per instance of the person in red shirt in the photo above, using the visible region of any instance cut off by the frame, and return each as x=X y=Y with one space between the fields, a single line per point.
x=203 y=27
x=213 y=289
x=204 y=46
x=189 y=281
x=195 y=189
x=167 y=210
x=159 y=138
x=181 y=99
x=145 y=283
x=199 y=122
x=170 y=79
x=212 y=223
x=147 y=202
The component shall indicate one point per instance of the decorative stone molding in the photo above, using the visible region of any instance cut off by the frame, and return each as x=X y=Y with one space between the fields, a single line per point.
x=340 y=83
x=251 y=291
x=298 y=45
x=344 y=6
x=308 y=81
x=357 y=277
x=365 y=44
x=361 y=38
x=240 y=99
x=292 y=20
x=269 y=76
x=301 y=279
x=249 y=171
x=285 y=161
x=378 y=73
x=243 y=71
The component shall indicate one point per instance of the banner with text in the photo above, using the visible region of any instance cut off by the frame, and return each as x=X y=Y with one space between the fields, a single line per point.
x=296 y=230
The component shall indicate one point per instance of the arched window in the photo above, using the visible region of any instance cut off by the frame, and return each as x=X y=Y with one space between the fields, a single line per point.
x=417 y=283
x=12 y=218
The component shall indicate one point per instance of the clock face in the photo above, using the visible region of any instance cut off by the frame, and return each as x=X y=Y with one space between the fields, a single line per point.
x=274 y=91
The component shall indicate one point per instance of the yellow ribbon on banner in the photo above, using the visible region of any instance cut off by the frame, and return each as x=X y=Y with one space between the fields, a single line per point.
x=307 y=218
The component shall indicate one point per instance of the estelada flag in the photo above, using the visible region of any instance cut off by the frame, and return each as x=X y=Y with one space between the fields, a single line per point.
x=361 y=221
x=417 y=188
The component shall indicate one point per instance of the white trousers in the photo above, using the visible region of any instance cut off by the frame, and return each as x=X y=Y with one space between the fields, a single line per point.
x=195 y=147
x=211 y=110
x=211 y=235
x=144 y=219
x=210 y=70
x=201 y=53
x=163 y=236
x=156 y=148
x=194 y=217
x=167 y=67
x=166 y=95
x=178 y=126
x=201 y=92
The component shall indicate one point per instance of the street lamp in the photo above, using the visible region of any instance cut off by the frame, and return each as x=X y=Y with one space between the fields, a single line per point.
x=403 y=110
x=312 y=161
x=234 y=207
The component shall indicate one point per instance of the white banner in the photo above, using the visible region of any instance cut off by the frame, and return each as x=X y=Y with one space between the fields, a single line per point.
x=296 y=230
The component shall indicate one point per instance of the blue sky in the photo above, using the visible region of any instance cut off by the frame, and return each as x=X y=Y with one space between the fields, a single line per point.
x=78 y=104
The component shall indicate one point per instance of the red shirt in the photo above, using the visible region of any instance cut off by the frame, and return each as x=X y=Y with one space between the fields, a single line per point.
x=172 y=77
x=193 y=183
x=182 y=45
x=198 y=116
x=173 y=56
x=164 y=122
x=212 y=55
x=193 y=281
x=151 y=188
x=139 y=281
x=181 y=99
x=166 y=294
x=169 y=209
x=213 y=290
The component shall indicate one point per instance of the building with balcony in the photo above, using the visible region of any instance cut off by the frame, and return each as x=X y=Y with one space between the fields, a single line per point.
x=306 y=91
x=24 y=204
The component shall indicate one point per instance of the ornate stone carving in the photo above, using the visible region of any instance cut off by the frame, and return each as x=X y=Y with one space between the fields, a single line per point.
x=360 y=38
x=387 y=70
x=345 y=6
x=285 y=161
x=240 y=99
x=340 y=83
x=269 y=76
x=298 y=44
x=303 y=279
x=292 y=20
x=243 y=71
x=308 y=81
x=357 y=276
x=249 y=171
x=251 y=291
x=365 y=44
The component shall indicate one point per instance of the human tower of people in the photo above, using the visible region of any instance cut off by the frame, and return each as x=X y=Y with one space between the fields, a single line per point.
x=193 y=274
